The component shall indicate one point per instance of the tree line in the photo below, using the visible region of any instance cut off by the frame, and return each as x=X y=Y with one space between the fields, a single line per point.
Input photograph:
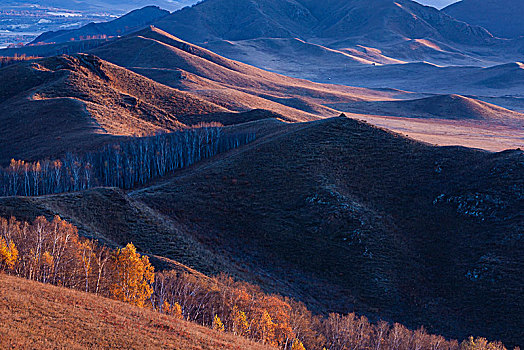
x=53 y=252
x=6 y=61
x=125 y=164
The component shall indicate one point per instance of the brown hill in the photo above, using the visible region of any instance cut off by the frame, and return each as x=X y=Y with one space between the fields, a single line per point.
x=98 y=100
x=453 y=107
x=340 y=215
x=231 y=84
x=73 y=103
x=38 y=316
x=328 y=207
x=238 y=86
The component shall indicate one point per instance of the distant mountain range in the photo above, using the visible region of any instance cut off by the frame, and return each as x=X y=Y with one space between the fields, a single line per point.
x=317 y=41
x=111 y=6
x=380 y=20
x=504 y=18
x=133 y=21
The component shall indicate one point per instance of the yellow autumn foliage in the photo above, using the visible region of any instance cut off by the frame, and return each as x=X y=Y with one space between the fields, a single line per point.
x=135 y=275
x=217 y=324
x=297 y=345
x=240 y=323
x=480 y=343
x=176 y=310
x=8 y=253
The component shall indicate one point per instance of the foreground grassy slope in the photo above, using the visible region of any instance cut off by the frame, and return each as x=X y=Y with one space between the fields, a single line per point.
x=38 y=316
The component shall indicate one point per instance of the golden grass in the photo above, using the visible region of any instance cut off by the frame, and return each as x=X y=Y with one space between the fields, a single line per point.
x=38 y=316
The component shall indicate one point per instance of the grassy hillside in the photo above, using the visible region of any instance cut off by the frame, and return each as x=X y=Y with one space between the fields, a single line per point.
x=231 y=84
x=340 y=215
x=454 y=107
x=175 y=82
x=75 y=103
x=34 y=315
x=346 y=216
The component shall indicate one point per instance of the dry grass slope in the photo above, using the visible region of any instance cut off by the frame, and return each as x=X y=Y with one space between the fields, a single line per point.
x=74 y=103
x=38 y=316
x=231 y=84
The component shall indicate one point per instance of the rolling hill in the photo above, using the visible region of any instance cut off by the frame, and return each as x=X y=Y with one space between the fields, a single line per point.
x=163 y=83
x=454 y=107
x=38 y=316
x=350 y=233
x=504 y=82
x=81 y=101
x=323 y=208
x=231 y=84
x=503 y=18
x=192 y=68
x=333 y=42
x=350 y=220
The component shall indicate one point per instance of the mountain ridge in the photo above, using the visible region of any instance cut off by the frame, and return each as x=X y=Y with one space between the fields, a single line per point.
x=130 y=22
x=502 y=17
x=307 y=19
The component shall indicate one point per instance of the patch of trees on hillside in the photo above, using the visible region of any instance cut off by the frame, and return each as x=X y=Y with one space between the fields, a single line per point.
x=6 y=61
x=53 y=252
x=126 y=164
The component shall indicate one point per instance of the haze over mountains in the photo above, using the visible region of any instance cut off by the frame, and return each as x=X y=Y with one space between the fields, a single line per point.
x=133 y=21
x=112 y=6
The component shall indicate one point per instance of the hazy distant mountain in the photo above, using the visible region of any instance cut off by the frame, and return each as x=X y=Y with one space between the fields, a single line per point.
x=380 y=20
x=130 y=22
x=290 y=35
x=362 y=32
x=503 y=18
x=112 y=6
